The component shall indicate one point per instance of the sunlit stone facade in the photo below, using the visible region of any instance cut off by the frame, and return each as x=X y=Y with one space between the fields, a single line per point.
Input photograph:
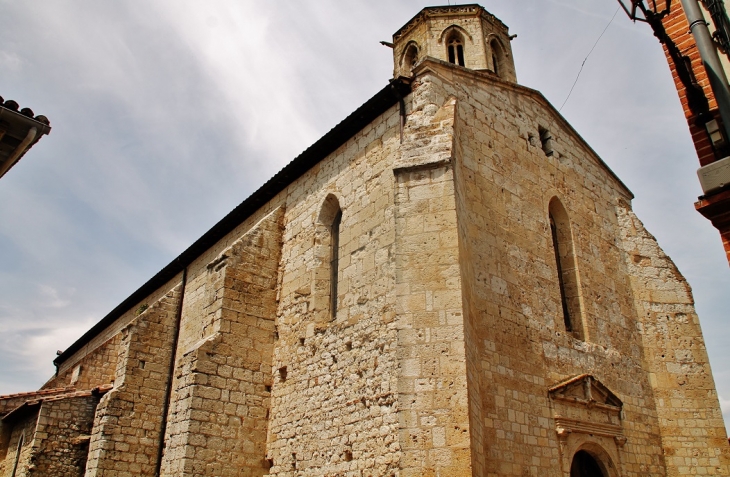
x=450 y=282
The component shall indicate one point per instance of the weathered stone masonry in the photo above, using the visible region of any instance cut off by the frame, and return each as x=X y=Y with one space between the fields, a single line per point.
x=446 y=350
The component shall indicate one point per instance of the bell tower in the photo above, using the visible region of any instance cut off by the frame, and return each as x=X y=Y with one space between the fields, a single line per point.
x=465 y=35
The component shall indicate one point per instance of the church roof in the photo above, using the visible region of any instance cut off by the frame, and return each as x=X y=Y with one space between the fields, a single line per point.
x=351 y=125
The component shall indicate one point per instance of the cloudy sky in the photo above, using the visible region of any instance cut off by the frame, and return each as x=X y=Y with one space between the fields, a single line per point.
x=167 y=114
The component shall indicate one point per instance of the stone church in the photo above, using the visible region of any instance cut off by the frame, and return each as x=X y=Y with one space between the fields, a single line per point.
x=450 y=282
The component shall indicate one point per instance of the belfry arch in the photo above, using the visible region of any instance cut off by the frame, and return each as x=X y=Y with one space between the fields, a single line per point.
x=499 y=66
x=410 y=57
x=455 y=46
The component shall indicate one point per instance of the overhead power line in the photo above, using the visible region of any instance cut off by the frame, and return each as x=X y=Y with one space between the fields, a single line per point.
x=586 y=58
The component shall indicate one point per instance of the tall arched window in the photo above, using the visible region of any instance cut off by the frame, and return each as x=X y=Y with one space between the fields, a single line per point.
x=455 y=48
x=328 y=235
x=568 y=280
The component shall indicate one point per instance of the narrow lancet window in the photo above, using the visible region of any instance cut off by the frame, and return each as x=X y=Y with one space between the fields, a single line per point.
x=556 y=248
x=334 y=262
x=326 y=275
x=497 y=57
x=570 y=296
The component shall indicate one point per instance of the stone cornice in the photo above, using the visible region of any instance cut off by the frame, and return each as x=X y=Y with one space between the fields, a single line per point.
x=446 y=10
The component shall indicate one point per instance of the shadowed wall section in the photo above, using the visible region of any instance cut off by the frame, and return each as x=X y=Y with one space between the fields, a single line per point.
x=129 y=418
x=221 y=398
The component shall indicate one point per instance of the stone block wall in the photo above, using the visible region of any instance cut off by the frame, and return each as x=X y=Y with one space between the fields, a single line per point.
x=432 y=387
x=434 y=422
x=220 y=405
x=95 y=369
x=127 y=436
x=334 y=398
x=517 y=344
x=50 y=437
x=61 y=441
x=694 y=439
x=19 y=445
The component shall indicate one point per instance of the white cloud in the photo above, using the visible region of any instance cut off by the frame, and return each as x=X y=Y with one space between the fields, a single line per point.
x=53 y=297
x=9 y=61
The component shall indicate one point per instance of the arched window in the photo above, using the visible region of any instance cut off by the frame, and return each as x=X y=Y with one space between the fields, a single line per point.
x=327 y=276
x=410 y=58
x=497 y=57
x=570 y=295
x=455 y=48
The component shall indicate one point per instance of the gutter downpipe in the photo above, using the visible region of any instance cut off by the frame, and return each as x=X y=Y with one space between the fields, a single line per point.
x=710 y=59
x=19 y=151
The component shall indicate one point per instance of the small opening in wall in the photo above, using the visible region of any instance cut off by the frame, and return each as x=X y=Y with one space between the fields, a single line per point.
x=76 y=374
x=270 y=463
x=294 y=460
x=301 y=341
x=268 y=388
x=276 y=335
x=348 y=346
x=142 y=364
x=546 y=139
x=348 y=456
x=282 y=373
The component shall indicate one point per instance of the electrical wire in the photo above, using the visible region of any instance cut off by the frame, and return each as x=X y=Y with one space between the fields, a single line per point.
x=586 y=58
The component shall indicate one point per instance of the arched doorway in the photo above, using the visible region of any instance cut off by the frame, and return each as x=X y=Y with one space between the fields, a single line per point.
x=584 y=465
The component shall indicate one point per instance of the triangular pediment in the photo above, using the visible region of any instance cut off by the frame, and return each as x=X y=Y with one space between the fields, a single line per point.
x=585 y=389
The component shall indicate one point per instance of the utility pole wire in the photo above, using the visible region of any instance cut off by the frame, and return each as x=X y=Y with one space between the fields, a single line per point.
x=586 y=58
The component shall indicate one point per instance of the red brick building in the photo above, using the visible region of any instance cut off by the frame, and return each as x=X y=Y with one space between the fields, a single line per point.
x=715 y=203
